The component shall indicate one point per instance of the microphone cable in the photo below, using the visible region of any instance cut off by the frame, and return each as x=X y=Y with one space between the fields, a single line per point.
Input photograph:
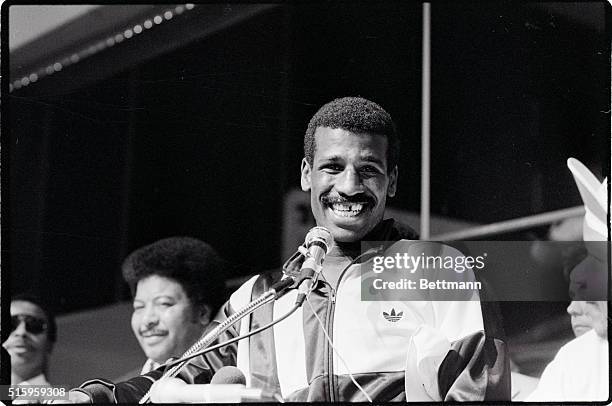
x=329 y=340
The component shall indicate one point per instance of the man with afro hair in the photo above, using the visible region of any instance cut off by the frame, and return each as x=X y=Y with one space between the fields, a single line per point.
x=177 y=285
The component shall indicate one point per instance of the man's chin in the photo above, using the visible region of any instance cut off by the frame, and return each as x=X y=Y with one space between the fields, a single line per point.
x=580 y=330
x=155 y=353
x=349 y=229
x=156 y=357
x=21 y=357
x=346 y=235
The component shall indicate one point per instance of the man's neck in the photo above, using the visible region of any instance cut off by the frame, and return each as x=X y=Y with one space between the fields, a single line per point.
x=20 y=375
x=340 y=256
x=353 y=249
x=346 y=249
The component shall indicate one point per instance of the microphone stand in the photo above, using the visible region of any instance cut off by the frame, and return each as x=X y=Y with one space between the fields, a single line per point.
x=275 y=292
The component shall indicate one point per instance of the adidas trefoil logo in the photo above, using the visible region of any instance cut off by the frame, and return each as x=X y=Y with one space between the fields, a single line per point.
x=392 y=317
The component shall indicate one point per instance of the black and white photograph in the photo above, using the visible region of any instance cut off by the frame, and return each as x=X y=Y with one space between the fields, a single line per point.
x=368 y=201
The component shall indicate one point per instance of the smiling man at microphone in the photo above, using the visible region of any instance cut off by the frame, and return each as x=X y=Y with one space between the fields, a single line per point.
x=337 y=347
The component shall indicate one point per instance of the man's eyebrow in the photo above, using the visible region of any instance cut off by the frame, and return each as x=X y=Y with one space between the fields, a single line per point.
x=333 y=158
x=373 y=159
x=163 y=296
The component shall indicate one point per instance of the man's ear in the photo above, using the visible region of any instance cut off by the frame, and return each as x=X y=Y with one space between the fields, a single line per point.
x=205 y=315
x=306 y=172
x=392 y=188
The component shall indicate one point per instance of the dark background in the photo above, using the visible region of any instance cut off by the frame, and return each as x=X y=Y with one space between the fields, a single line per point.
x=205 y=138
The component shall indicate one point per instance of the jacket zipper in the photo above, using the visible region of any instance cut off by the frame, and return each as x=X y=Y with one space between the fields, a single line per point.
x=330 y=329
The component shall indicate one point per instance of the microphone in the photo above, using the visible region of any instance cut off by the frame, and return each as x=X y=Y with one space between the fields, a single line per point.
x=228 y=375
x=318 y=243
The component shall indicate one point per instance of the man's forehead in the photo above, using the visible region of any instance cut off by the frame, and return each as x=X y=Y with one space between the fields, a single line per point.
x=331 y=141
x=156 y=285
x=24 y=307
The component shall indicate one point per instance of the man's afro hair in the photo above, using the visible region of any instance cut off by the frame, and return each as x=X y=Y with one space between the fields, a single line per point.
x=192 y=263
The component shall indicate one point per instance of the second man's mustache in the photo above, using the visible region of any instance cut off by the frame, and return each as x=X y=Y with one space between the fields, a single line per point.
x=152 y=332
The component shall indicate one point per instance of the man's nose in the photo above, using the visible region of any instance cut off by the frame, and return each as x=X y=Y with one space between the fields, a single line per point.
x=150 y=316
x=21 y=329
x=349 y=182
x=574 y=308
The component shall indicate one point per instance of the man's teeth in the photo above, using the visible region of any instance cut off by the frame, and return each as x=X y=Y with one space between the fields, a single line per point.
x=347 y=209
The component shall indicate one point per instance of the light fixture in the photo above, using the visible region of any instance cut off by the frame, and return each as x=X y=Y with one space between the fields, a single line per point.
x=92 y=49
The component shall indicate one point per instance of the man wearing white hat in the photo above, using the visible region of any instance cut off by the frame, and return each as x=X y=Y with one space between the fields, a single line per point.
x=580 y=370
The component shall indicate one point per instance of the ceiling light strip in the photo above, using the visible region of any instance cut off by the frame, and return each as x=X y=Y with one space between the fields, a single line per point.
x=98 y=46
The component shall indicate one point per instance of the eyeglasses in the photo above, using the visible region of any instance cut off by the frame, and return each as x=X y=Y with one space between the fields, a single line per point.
x=33 y=324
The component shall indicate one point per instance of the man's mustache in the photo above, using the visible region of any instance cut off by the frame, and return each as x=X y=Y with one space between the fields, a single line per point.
x=361 y=198
x=152 y=332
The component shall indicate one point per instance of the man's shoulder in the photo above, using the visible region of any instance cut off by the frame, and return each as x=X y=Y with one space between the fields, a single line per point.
x=127 y=375
x=255 y=286
x=588 y=342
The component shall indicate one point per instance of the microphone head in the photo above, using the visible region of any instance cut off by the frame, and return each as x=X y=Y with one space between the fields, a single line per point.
x=228 y=375
x=321 y=237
